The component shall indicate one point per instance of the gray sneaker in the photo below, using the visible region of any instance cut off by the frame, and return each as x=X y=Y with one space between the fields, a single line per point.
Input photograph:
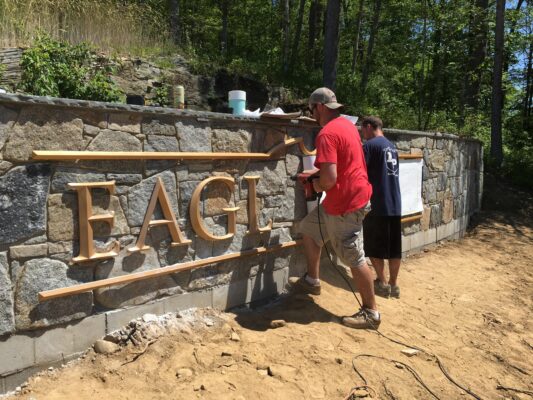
x=382 y=289
x=395 y=291
x=300 y=285
x=362 y=319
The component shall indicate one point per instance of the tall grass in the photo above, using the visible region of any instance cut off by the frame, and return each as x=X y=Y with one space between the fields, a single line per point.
x=110 y=25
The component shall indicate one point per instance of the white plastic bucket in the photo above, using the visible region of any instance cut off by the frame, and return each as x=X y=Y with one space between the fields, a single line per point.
x=237 y=101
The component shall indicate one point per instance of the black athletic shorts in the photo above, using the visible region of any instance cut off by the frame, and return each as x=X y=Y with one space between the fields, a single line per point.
x=382 y=237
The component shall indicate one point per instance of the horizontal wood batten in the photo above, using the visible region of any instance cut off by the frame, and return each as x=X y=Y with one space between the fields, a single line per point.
x=411 y=218
x=52 y=155
x=410 y=156
x=87 y=287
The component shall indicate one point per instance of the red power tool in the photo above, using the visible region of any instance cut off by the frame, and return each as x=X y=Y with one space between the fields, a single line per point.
x=306 y=180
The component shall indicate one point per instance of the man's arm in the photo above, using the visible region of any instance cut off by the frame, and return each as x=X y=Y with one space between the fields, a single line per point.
x=328 y=177
x=311 y=172
x=367 y=154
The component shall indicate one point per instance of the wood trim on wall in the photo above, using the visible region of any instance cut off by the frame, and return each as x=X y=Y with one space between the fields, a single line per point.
x=410 y=156
x=138 y=276
x=64 y=155
x=411 y=218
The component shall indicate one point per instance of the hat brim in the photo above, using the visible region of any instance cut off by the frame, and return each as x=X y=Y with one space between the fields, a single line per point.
x=334 y=105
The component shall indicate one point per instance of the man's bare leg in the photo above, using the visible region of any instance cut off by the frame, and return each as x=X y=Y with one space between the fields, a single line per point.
x=364 y=281
x=312 y=254
x=394 y=268
x=379 y=266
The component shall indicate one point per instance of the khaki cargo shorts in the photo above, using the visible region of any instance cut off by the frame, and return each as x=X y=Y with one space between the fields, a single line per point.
x=344 y=232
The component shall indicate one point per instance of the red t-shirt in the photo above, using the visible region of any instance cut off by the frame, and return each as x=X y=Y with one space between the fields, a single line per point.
x=338 y=142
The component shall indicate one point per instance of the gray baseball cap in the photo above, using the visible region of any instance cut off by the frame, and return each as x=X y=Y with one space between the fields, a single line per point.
x=324 y=96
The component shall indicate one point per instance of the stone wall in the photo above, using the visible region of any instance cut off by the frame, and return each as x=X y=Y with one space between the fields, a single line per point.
x=10 y=71
x=452 y=185
x=143 y=77
x=39 y=230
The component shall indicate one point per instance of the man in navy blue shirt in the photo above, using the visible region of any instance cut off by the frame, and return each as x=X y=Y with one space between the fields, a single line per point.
x=382 y=231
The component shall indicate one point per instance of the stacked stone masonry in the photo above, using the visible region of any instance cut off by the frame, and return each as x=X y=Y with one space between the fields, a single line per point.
x=39 y=230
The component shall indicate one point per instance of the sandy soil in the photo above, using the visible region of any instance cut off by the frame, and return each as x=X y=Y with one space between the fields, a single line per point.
x=469 y=302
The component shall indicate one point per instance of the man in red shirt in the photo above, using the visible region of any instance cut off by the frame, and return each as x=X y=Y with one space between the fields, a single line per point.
x=340 y=164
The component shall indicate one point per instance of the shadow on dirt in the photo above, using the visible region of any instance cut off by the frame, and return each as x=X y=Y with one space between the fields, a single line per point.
x=505 y=204
x=295 y=307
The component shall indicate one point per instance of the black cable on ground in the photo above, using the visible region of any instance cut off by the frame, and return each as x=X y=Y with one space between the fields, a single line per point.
x=410 y=369
x=406 y=366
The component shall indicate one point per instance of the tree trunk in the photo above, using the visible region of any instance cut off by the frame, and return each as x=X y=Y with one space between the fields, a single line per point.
x=331 y=44
x=175 y=23
x=496 y=146
x=528 y=97
x=357 y=35
x=298 y=33
x=312 y=35
x=436 y=68
x=422 y=75
x=224 y=5
x=476 y=55
x=320 y=27
x=507 y=53
x=286 y=35
x=371 y=39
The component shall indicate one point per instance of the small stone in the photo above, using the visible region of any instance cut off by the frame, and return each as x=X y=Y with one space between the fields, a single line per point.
x=184 y=373
x=226 y=354
x=111 y=338
x=359 y=394
x=235 y=337
x=209 y=322
x=277 y=323
x=149 y=318
x=105 y=347
x=283 y=372
x=29 y=251
x=398 y=365
x=262 y=372
x=409 y=352
x=50 y=368
x=338 y=360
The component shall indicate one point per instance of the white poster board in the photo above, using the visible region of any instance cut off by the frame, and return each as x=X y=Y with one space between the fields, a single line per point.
x=411 y=185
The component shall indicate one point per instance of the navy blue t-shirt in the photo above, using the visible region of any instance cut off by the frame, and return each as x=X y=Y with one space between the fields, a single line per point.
x=383 y=173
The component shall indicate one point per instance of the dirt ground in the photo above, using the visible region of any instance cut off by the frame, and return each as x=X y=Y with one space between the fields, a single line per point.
x=468 y=302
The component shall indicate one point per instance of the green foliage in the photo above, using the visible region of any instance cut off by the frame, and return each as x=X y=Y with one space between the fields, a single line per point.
x=137 y=26
x=162 y=96
x=55 y=68
x=418 y=75
x=518 y=165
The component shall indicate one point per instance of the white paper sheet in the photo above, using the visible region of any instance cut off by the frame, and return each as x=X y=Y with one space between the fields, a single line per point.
x=411 y=185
